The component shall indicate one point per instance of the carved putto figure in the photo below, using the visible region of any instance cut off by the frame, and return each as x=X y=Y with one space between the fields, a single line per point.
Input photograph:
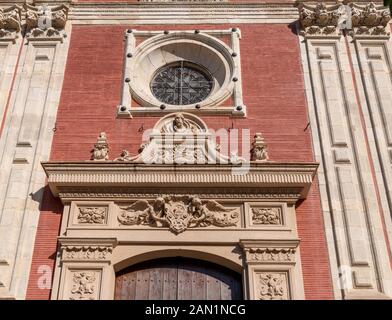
x=259 y=149
x=100 y=151
x=178 y=213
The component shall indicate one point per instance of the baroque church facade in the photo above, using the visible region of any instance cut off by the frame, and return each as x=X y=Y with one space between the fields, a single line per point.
x=185 y=149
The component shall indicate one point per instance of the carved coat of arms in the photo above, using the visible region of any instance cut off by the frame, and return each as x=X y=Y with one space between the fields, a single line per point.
x=178 y=213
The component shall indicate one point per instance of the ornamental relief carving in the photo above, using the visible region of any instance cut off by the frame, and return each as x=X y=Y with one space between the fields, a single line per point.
x=92 y=215
x=272 y=286
x=270 y=254
x=360 y=20
x=10 y=23
x=319 y=19
x=84 y=285
x=179 y=213
x=369 y=19
x=86 y=253
x=46 y=22
x=262 y=215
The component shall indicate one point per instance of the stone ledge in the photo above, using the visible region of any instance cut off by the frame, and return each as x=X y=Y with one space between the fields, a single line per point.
x=88 y=175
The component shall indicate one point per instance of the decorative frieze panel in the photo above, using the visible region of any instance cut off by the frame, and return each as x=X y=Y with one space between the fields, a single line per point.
x=83 y=252
x=272 y=286
x=258 y=255
x=85 y=285
x=179 y=213
x=265 y=216
x=92 y=215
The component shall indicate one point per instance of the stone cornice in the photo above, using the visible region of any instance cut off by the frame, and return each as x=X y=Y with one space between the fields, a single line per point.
x=86 y=249
x=90 y=176
x=269 y=251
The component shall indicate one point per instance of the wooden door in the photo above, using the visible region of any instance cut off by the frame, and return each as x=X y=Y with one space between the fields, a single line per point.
x=178 y=279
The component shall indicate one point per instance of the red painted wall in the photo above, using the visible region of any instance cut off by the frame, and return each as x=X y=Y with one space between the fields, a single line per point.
x=274 y=93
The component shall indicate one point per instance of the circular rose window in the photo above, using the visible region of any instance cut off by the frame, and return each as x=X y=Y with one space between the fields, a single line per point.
x=181 y=83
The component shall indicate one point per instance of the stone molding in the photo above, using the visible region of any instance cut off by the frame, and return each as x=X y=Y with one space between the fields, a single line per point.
x=89 y=175
x=269 y=251
x=86 y=249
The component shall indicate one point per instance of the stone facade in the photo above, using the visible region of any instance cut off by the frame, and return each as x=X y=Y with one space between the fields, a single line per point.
x=301 y=207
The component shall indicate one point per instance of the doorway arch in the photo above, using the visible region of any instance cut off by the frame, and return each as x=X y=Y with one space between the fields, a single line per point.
x=178 y=278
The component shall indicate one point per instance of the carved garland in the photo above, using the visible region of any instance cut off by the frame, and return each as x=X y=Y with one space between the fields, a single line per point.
x=178 y=213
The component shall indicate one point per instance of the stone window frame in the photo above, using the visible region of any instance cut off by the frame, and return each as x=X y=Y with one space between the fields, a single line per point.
x=139 y=91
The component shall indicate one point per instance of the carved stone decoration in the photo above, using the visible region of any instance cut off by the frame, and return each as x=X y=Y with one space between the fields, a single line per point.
x=178 y=213
x=272 y=286
x=369 y=19
x=84 y=285
x=10 y=23
x=319 y=19
x=46 y=22
x=86 y=252
x=262 y=215
x=100 y=151
x=259 y=149
x=270 y=254
x=92 y=215
x=180 y=138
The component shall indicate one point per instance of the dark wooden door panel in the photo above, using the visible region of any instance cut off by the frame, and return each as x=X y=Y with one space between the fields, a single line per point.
x=177 y=279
